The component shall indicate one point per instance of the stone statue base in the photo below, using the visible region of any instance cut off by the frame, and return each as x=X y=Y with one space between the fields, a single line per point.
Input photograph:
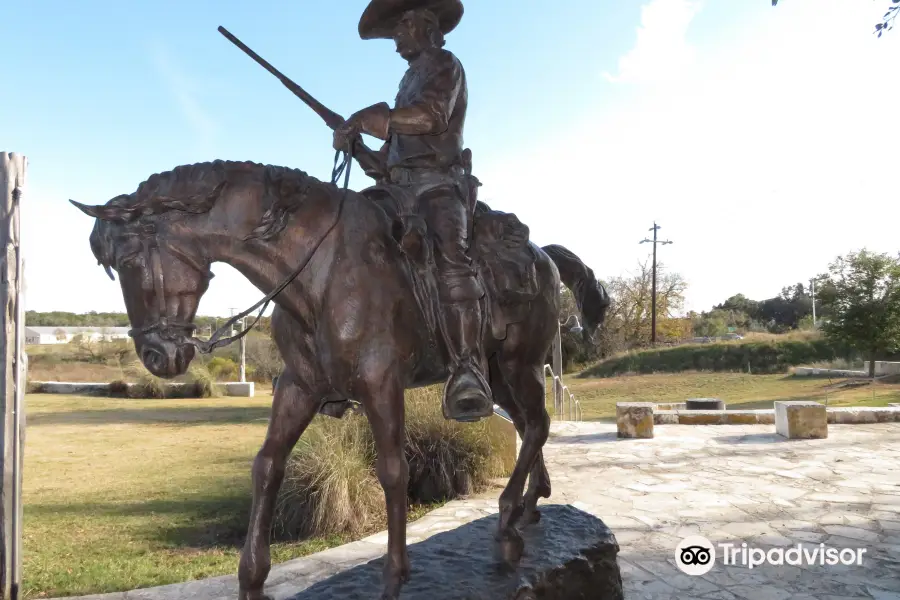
x=569 y=555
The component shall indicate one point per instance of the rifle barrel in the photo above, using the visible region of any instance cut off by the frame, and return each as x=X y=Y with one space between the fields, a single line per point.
x=331 y=118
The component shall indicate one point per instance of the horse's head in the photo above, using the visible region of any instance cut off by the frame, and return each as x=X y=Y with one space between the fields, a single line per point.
x=162 y=273
x=593 y=302
x=594 y=306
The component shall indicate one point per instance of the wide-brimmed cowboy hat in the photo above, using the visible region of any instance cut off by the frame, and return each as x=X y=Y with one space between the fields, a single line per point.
x=381 y=16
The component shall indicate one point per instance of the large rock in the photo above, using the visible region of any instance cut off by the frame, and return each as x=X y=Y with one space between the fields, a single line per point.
x=634 y=419
x=569 y=555
x=801 y=419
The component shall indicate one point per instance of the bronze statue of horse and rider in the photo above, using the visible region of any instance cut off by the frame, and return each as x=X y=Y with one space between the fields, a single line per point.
x=410 y=283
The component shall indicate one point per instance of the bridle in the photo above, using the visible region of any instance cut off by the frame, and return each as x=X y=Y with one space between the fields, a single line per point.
x=180 y=332
x=165 y=327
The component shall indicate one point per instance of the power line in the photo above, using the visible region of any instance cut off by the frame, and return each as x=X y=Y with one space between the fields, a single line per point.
x=654 y=241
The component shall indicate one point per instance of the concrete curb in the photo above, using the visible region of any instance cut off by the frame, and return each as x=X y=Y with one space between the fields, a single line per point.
x=231 y=388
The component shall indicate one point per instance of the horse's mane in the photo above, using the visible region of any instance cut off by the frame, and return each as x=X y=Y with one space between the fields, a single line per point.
x=195 y=188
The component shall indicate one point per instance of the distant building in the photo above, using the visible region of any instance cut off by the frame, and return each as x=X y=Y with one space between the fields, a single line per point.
x=64 y=335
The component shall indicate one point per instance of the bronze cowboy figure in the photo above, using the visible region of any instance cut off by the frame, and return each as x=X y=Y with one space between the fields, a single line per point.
x=421 y=164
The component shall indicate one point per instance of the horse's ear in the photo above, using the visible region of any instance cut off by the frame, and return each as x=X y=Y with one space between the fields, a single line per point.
x=104 y=213
x=91 y=211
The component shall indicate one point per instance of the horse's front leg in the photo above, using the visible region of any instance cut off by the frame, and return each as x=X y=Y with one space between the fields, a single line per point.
x=293 y=408
x=382 y=397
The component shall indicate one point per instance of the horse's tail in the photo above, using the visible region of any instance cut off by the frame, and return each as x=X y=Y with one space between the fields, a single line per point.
x=590 y=296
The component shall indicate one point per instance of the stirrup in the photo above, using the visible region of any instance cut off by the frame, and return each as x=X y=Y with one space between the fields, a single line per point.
x=467 y=396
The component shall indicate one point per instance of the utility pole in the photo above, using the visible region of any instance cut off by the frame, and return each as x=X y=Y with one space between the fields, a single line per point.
x=243 y=343
x=654 y=241
x=812 y=288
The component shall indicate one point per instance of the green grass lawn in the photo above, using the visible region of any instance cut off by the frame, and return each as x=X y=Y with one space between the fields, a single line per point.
x=120 y=494
x=598 y=397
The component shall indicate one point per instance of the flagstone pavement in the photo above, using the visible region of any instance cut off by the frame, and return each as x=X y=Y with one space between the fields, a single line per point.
x=738 y=484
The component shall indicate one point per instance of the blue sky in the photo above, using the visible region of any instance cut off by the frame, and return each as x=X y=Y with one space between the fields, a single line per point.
x=589 y=119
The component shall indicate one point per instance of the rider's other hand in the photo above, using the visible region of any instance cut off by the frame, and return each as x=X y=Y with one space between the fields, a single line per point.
x=343 y=135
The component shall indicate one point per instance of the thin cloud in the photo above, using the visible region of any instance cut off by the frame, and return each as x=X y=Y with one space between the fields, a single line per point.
x=661 y=52
x=770 y=159
x=185 y=92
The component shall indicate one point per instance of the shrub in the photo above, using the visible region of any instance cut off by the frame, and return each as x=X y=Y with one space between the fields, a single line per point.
x=118 y=388
x=222 y=368
x=770 y=356
x=198 y=383
x=331 y=487
x=446 y=459
x=148 y=387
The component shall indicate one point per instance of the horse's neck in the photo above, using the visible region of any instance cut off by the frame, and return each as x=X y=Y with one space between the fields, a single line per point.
x=267 y=263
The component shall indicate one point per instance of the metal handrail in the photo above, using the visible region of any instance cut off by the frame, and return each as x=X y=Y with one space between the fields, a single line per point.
x=570 y=408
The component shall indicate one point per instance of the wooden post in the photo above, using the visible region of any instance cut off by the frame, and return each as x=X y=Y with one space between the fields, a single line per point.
x=12 y=375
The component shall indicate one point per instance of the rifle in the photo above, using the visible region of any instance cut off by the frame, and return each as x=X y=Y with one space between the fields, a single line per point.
x=331 y=118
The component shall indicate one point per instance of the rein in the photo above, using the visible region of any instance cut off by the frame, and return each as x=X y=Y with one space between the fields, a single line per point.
x=216 y=340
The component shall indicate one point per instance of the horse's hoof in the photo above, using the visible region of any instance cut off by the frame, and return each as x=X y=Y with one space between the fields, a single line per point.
x=511 y=546
x=394 y=583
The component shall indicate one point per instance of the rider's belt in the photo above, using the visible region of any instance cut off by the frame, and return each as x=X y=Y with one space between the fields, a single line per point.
x=413 y=176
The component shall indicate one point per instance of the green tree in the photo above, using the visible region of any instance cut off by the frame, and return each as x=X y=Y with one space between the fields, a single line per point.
x=862 y=295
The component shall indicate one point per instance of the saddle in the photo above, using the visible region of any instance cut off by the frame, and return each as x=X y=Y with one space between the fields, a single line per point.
x=501 y=253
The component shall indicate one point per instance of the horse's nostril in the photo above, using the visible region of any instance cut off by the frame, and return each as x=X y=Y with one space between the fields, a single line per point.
x=154 y=360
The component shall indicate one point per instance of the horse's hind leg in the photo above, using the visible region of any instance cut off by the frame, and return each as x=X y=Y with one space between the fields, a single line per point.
x=538 y=478
x=293 y=408
x=527 y=387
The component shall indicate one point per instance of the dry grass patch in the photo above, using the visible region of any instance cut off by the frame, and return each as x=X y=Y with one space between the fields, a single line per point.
x=331 y=487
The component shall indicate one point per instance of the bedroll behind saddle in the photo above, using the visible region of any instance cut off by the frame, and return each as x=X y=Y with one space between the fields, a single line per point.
x=504 y=256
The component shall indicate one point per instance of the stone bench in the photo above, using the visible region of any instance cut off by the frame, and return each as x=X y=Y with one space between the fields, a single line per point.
x=800 y=420
x=634 y=419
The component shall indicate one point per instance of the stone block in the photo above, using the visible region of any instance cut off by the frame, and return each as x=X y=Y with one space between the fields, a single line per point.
x=704 y=404
x=634 y=419
x=238 y=389
x=801 y=420
x=883 y=367
x=568 y=554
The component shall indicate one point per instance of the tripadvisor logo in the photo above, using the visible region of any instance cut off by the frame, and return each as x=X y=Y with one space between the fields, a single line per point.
x=696 y=555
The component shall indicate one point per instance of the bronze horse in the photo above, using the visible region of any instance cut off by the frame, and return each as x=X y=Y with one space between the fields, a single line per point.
x=348 y=325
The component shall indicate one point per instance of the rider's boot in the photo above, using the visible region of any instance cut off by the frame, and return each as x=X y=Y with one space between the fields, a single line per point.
x=467 y=393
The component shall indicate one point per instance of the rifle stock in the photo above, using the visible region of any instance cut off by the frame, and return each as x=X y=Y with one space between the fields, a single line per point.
x=331 y=118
